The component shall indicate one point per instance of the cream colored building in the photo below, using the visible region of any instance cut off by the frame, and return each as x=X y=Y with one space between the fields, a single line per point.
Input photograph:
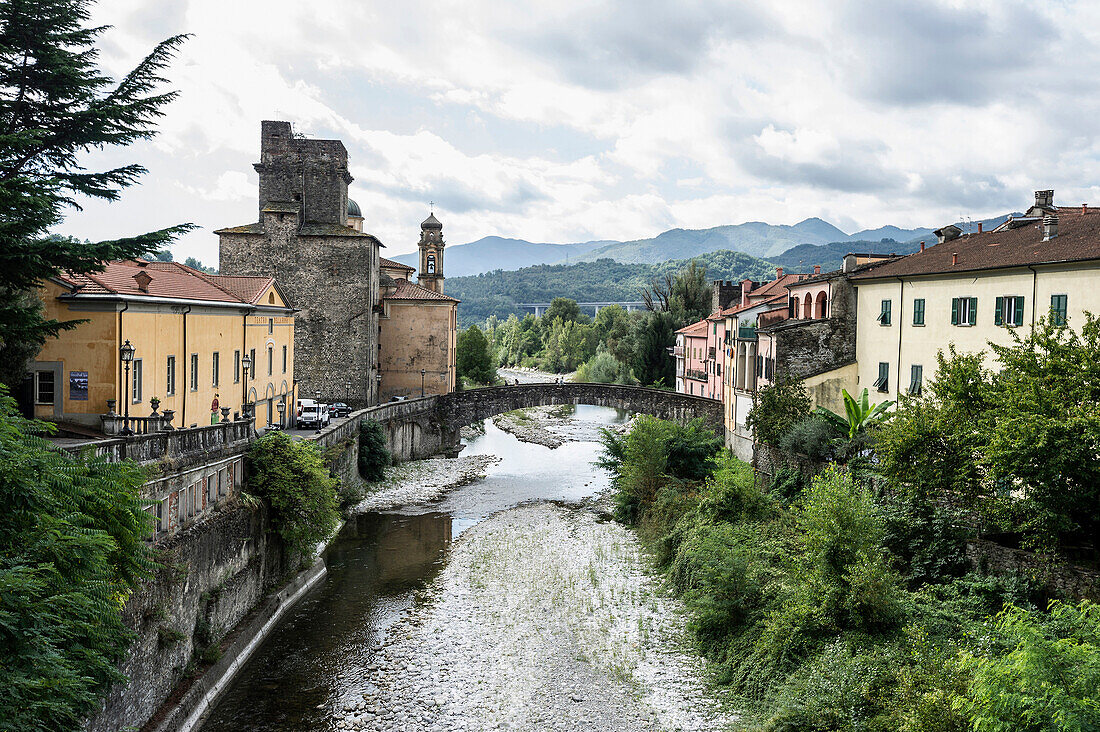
x=972 y=289
x=190 y=332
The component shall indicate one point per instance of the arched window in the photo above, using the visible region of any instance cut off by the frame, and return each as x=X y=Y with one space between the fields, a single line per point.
x=822 y=305
x=271 y=297
x=795 y=313
x=430 y=267
x=808 y=307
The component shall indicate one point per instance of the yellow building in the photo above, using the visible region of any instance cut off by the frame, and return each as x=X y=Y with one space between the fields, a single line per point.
x=973 y=289
x=191 y=333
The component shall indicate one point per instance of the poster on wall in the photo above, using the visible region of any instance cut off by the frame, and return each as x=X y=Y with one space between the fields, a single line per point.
x=78 y=386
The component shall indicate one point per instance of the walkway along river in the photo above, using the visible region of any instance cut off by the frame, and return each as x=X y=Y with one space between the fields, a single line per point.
x=509 y=603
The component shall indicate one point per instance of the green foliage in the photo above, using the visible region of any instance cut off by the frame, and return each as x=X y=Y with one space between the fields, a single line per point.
x=292 y=476
x=777 y=408
x=603 y=368
x=1049 y=679
x=686 y=295
x=564 y=309
x=71 y=551
x=373 y=454
x=57 y=107
x=813 y=437
x=473 y=359
x=653 y=335
x=859 y=414
x=196 y=264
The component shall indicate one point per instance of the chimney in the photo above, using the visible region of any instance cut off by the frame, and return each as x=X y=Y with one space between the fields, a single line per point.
x=778 y=272
x=922 y=246
x=817 y=269
x=954 y=257
x=1044 y=199
x=1050 y=227
x=1084 y=208
x=849 y=263
x=947 y=233
x=143 y=279
x=979 y=227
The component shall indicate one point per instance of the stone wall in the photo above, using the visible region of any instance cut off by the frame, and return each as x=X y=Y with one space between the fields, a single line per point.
x=808 y=347
x=215 y=572
x=1057 y=579
x=768 y=461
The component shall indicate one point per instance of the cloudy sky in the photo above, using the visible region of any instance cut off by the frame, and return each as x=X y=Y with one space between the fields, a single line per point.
x=571 y=120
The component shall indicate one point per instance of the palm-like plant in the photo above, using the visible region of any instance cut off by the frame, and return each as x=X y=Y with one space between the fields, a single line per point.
x=859 y=414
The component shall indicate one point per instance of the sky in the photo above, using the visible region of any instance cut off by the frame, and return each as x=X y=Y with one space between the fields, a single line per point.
x=576 y=120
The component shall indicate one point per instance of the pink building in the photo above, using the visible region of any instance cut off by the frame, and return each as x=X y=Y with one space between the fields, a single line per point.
x=690 y=352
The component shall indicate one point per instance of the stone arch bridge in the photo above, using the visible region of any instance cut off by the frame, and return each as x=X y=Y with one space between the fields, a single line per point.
x=420 y=428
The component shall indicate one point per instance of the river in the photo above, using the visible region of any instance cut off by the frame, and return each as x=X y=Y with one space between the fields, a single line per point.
x=508 y=603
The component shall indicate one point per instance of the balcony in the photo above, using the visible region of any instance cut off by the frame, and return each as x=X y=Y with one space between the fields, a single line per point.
x=697 y=374
x=678 y=351
x=746 y=332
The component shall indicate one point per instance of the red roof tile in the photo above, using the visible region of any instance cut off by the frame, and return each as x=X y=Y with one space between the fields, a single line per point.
x=408 y=291
x=1078 y=240
x=167 y=280
x=395 y=265
x=695 y=329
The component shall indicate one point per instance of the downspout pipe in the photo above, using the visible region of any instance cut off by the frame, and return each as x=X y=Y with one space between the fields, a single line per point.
x=118 y=349
x=1034 y=293
x=901 y=325
x=186 y=365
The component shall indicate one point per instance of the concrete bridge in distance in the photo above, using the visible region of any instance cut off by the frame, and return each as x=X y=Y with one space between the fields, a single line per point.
x=538 y=308
x=420 y=428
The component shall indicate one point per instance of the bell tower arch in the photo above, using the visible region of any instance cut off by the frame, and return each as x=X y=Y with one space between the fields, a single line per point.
x=430 y=272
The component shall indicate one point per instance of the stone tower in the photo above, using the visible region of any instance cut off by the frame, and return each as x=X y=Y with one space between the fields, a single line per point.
x=430 y=274
x=328 y=269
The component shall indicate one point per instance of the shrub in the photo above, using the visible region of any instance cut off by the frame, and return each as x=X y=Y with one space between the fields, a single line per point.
x=777 y=408
x=641 y=470
x=603 y=368
x=813 y=437
x=731 y=493
x=291 y=475
x=373 y=455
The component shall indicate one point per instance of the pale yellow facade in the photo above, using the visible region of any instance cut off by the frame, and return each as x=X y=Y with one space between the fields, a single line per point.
x=186 y=354
x=418 y=335
x=903 y=344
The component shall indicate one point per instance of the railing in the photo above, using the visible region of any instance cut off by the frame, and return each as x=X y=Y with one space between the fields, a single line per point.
x=697 y=374
x=746 y=332
x=678 y=351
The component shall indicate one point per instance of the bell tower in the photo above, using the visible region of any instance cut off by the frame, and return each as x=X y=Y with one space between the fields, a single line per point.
x=430 y=273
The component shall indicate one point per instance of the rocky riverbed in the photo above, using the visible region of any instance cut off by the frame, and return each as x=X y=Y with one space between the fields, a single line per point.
x=423 y=481
x=551 y=426
x=545 y=617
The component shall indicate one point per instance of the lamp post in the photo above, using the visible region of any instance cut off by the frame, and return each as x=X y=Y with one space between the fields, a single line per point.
x=247 y=363
x=347 y=390
x=282 y=414
x=422 y=372
x=126 y=353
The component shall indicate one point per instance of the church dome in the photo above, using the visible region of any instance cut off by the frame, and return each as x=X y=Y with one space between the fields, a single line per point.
x=353 y=209
x=431 y=222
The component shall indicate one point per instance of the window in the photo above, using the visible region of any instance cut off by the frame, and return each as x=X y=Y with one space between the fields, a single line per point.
x=194 y=372
x=216 y=365
x=882 y=383
x=1009 y=311
x=1059 y=305
x=170 y=377
x=45 y=390
x=236 y=367
x=270 y=359
x=252 y=368
x=430 y=269
x=916 y=376
x=136 y=382
x=270 y=326
x=918 y=311
x=964 y=310
x=884 y=312
x=284 y=359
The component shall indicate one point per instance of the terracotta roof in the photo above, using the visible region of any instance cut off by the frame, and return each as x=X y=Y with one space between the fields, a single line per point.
x=777 y=285
x=782 y=297
x=168 y=280
x=1078 y=240
x=408 y=291
x=695 y=329
x=394 y=265
x=305 y=230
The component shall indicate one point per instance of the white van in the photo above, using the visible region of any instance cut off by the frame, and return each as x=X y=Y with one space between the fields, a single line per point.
x=312 y=414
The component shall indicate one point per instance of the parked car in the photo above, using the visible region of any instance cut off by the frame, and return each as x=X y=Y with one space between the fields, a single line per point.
x=398 y=398
x=339 y=409
x=312 y=414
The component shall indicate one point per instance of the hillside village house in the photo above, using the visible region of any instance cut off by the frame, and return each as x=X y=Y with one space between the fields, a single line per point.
x=972 y=289
x=690 y=353
x=191 y=334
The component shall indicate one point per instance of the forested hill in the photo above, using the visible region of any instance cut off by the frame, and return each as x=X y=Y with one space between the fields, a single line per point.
x=499 y=292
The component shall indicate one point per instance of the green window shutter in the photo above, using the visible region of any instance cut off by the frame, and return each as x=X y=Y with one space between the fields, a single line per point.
x=954 y=311
x=999 y=312
x=973 y=311
x=1019 y=310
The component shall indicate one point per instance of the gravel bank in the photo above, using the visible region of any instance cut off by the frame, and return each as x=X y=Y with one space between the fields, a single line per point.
x=423 y=481
x=551 y=426
x=532 y=376
x=544 y=618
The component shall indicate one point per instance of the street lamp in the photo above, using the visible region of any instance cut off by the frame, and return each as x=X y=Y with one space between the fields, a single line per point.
x=247 y=363
x=347 y=390
x=282 y=414
x=422 y=372
x=126 y=353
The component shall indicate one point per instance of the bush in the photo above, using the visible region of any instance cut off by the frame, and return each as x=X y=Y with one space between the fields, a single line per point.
x=813 y=437
x=731 y=493
x=473 y=359
x=603 y=368
x=373 y=455
x=777 y=408
x=292 y=476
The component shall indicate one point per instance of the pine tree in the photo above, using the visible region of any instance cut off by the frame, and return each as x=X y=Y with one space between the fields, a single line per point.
x=56 y=105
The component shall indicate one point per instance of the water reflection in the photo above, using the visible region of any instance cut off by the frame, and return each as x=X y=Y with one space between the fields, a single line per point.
x=319 y=653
